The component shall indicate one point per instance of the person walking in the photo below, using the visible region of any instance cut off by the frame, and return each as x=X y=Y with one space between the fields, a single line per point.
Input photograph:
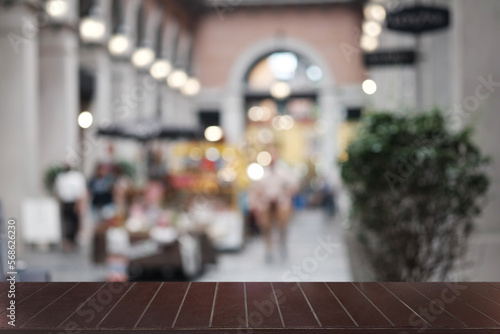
x=101 y=191
x=270 y=200
x=70 y=188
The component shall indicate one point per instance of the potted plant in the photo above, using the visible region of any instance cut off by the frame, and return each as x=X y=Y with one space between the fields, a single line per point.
x=415 y=187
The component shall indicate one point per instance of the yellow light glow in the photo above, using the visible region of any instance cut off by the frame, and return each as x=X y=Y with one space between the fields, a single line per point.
x=264 y=158
x=255 y=114
x=196 y=153
x=280 y=90
x=228 y=154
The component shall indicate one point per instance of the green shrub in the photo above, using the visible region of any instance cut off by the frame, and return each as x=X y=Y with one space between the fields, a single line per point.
x=416 y=187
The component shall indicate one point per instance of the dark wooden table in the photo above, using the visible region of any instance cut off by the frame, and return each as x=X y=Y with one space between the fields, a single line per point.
x=362 y=308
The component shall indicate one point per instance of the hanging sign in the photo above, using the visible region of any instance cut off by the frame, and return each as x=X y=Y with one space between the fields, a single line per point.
x=389 y=58
x=418 y=19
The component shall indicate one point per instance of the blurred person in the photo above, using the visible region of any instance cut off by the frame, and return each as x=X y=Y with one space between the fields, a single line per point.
x=270 y=200
x=328 y=198
x=101 y=192
x=156 y=168
x=70 y=188
x=121 y=190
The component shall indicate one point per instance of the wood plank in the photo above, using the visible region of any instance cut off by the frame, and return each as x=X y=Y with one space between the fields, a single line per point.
x=196 y=310
x=423 y=306
x=297 y=308
x=485 y=290
x=467 y=314
x=38 y=301
x=396 y=311
x=477 y=301
x=294 y=307
x=230 y=306
x=360 y=308
x=328 y=310
x=262 y=308
x=4 y=287
x=23 y=291
x=163 y=309
x=56 y=313
x=90 y=314
x=130 y=308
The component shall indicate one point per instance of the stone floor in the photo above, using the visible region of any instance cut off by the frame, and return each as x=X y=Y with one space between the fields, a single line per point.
x=317 y=252
x=482 y=262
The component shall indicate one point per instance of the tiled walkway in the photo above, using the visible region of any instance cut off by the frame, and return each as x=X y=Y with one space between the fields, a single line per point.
x=315 y=253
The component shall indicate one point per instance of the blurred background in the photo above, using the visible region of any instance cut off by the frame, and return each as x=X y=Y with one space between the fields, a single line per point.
x=249 y=140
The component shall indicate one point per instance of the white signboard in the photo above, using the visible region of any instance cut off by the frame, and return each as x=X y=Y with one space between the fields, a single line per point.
x=41 y=223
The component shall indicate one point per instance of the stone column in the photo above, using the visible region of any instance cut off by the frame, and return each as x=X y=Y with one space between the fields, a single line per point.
x=59 y=102
x=95 y=58
x=233 y=116
x=20 y=174
x=124 y=107
x=331 y=114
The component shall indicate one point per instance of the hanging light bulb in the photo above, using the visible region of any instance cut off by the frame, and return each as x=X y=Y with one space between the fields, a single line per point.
x=57 y=9
x=214 y=133
x=372 y=28
x=368 y=43
x=160 y=69
x=369 y=87
x=143 y=57
x=118 y=45
x=191 y=87
x=177 y=79
x=85 y=119
x=375 y=12
x=92 y=29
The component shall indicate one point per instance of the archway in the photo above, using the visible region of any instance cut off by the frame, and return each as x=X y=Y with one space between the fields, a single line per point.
x=330 y=110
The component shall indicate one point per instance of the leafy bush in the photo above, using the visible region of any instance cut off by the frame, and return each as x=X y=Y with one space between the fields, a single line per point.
x=416 y=187
x=50 y=176
x=127 y=168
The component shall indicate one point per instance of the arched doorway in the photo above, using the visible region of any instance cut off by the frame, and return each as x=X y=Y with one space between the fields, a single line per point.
x=237 y=101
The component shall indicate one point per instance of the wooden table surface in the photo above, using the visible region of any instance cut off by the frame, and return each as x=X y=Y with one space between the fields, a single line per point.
x=185 y=307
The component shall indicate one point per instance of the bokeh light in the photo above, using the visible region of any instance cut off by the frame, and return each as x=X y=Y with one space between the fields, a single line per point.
x=280 y=90
x=255 y=171
x=212 y=154
x=160 y=69
x=369 y=87
x=213 y=133
x=118 y=45
x=264 y=158
x=85 y=120
x=143 y=57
